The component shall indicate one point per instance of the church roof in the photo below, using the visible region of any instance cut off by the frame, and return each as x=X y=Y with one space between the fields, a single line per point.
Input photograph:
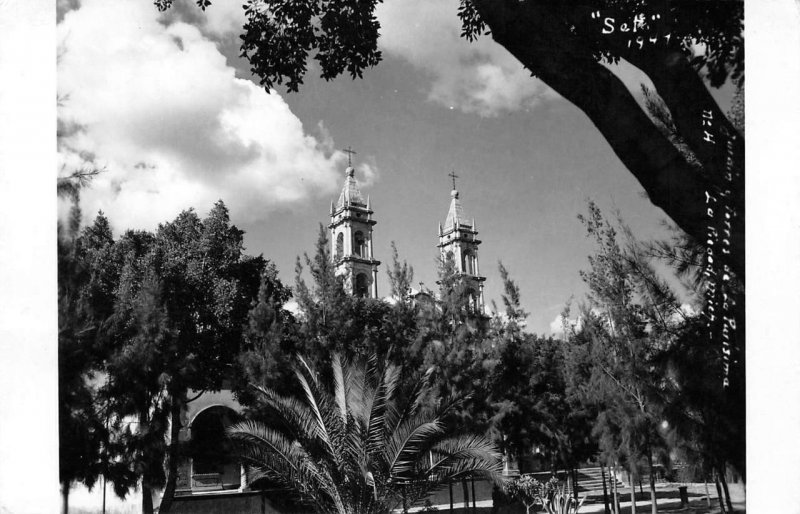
x=455 y=216
x=350 y=193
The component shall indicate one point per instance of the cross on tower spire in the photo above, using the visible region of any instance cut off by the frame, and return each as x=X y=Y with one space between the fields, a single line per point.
x=349 y=151
x=453 y=175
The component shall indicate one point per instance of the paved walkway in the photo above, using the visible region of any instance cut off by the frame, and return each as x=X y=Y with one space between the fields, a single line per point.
x=585 y=509
x=696 y=492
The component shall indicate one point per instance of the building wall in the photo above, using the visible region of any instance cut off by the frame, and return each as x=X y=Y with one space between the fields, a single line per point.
x=242 y=503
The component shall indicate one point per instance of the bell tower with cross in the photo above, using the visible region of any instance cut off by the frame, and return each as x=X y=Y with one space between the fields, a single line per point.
x=351 y=237
x=458 y=241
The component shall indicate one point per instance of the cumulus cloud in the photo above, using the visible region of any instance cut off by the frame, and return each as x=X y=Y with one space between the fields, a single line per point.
x=293 y=307
x=157 y=105
x=480 y=77
x=558 y=324
x=225 y=18
x=685 y=311
x=222 y=20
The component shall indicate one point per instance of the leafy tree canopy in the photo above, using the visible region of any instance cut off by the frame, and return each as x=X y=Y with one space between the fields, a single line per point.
x=165 y=313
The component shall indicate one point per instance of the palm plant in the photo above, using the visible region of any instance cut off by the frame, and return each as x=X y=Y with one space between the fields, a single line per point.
x=356 y=447
x=561 y=502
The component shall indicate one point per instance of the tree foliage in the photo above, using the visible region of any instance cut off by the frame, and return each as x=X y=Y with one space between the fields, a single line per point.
x=454 y=344
x=88 y=447
x=270 y=339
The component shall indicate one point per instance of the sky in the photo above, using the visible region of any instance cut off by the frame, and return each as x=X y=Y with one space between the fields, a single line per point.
x=164 y=104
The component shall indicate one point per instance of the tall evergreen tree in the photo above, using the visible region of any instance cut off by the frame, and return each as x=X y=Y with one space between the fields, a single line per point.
x=88 y=449
x=454 y=344
x=457 y=347
x=79 y=421
x=629 y=321
x=533 y=408
x=695 y=367
x=270 y=341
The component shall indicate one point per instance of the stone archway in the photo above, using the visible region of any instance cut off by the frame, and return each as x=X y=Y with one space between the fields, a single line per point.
x=213 y=463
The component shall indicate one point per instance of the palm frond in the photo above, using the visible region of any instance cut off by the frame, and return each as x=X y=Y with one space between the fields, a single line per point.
x=315 y=401
x=339 y=386
x=404 y=445
x=464 y=446
x=276 y=457
x=465 y=454
x=298 y=417
x=357 y=384
x=395 y=416
x=376 y=405
x=456 y=458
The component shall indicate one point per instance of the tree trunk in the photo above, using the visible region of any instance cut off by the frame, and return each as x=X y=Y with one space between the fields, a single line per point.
x=633 y=491
x=474 y=505
x=575 y=483
x=605 y=490
x=450 y=488
x=65 y=497
x=708 y=495
x=654 y=507
x=719 y=494
x=725 y=489
x=529 y=31
x=172 y=454
x=689 y=100
x=615 y=489
x=465 y=491
x=147 y=491
x=147 y=498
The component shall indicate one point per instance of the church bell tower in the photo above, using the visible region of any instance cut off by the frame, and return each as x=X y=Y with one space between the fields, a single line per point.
x=458 y=241
x=351 y=239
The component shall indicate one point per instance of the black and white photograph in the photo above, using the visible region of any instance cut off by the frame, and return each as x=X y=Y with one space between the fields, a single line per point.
x=399 y=256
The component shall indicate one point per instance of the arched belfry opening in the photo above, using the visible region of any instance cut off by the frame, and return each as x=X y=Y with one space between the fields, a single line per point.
x=472 y=300
x=352 y=236
x=468 y=262
x=359 y=244
x=362 y=286
x=339 y=246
